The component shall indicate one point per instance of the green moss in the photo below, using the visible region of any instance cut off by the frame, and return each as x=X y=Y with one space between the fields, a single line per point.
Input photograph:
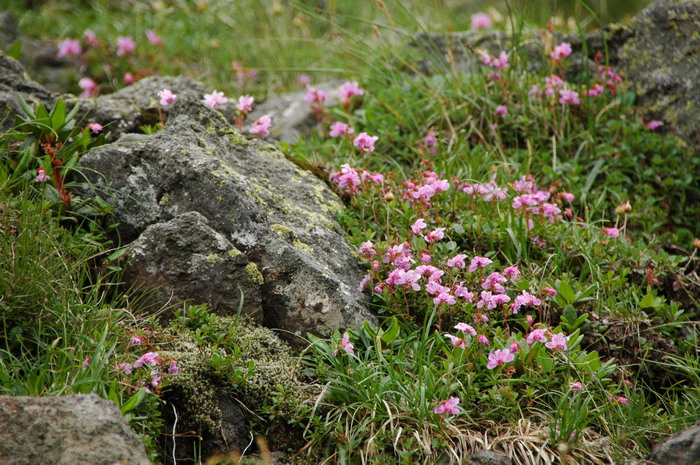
x=301 y=246
x=253 y=271
x=281 y=229
x=164 y=200
x=234 y=252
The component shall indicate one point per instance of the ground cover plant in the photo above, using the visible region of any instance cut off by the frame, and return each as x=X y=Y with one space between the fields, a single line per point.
x=530 y=243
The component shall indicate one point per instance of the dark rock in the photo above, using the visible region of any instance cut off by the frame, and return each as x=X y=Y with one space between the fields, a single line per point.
x=661 y=64
x=488 y=457
x=66 y=431
x=184 y=257
x=291 y=115
x=8 y=30
x=279 y=216
x=680 y=449
x=15 y=84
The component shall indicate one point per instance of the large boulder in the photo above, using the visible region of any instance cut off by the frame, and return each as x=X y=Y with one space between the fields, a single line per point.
x=15 y=84
x=280 y=218
x=680 y=449
x=661 y=64
x=66 y=431
x=292 y=116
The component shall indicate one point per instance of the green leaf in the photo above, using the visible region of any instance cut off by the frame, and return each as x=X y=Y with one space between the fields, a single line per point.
x=648 y=301
x=566 y=292
x=392 y=332
x=16 y=50
x=58 y=115
x=134 y=401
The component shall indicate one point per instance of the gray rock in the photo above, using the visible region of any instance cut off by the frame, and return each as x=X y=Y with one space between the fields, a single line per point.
x=184 y=257
x=291 y=115
x=488 y=457
x=16 y=84
x=278 y=215
x=66 y=431
x=661 y=64
x=680 y=449
x=8 y=29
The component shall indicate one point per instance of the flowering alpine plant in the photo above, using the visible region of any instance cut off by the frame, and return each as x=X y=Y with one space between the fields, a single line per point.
x=166 y=97
x=261 y=126
x=125 y=45
x=214 y=99
x=69 y=47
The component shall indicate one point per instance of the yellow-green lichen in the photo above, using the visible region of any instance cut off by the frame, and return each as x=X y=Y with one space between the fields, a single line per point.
x=164 y=200
x=281 y=229
x=234 y=252
x=214 y=258
x=302 y=246
x=254 y=273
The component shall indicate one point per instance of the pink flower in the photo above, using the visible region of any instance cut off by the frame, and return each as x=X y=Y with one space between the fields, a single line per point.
x=444 y=298
x=363 y=283
x=425 y=258
x=465 y=328
x=577 y=386
x=430 y=139
x=612 y=232
x=42 y=177
x=561 y=51
x=457 y=261
x=304 y=79
x=155 y=378
x=126 y=367
x=418 y=226
x=499 y=358
x=136 y=340
x=567 y=197
x=214 y=99
x=569 y=96
x=478 y=263
x=367 y=250
x=558 y=342
x=314 y=95
x=129 y=78
x=149 y=358
x=345 y=344
x=534 y=91
x=514 y=347
x=536 y=335
x=125 y=45
x=245 y=103
x=166 y=97
x=549 y=291
x=461 y=291
x=261 y=126
x=90 y=37
x=595 y=90
x=96 y=128
x=349 y=90
x=501 y=110
x=622 y=400
x=86 y=362
x=493 y=283
x=525 y=300
x=173 y=368
x=447 y=406
x=457 y=341
x=435 y=235
x=339 y=129
x=483 y=339
x=654 y=124
x=153 y=38
x=364 y=142
x=481 y=21
x=88 y=85
x=512 y=272
x=69 y=47
x=529 y=319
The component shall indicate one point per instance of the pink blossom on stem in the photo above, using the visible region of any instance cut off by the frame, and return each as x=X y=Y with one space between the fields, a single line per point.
x=478 y=263
x=465 y=328
x=339 y=129
x=457 y=341
x=261 y=126
x=537 y=335
x=558 y=342
x=567 y=197
x=457 y=261
x=68 y=47
x=364 y=142
x=612 y=232
x=126 y=367
x=367 y=250
x=350 y=89
x=512 y=272
x=418 y=227
x=577 y=386
x=166 y=97
x=514 y=347
x=569 y=96
x=483 y=340
x=304 y=79
x=561 y=51
x=447 y=406
x=363 y=283
x=173 y=368
x=314 y=95
x=129 y=78
x=345 y=344
x=549 y=291
x=444 y=298
x=435 y=235
x=214 y=99
x=481 y=21
x=499 y=358
x=149 y=358
x=654 y=124
x=88 y=85
x=595 y=90
x=501 y=110
x=245 y=103
x=125 y=45
x=136 y=340
x=90 y=37
x=41 y=176
x=153 y=37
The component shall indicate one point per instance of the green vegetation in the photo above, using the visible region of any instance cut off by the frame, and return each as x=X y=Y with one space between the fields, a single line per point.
x=574 y=335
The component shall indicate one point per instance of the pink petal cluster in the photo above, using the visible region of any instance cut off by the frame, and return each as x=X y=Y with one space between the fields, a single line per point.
x=88 y=85
x=612 y=232
x=364 y=142
x=153 y=37
x=125 y=45
x=345 y=344
x=654 y=124
x=524 y=300
x=96 y=128
x=561 y=51
x=465 y=328
x=457 y=261
x=166 y=97
x=447 y=406
x=499 y=358
x=68 y=47
x=501 y=110
x=536 y=335
x=261 y=126
x=569 y=96
x=214 y=99
x=457 y=341
x=499 y=63
x=478 y=263
x=90 y=37
x=149 y=358
x=245 y=103
x=314 y=95
x=41 y=176
x=481 y=21
x=558 y=342
x=339 y=129
x=350 y=89
x=350 y=178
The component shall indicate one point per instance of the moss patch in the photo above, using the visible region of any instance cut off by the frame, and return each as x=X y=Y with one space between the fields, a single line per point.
x=255 y=274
